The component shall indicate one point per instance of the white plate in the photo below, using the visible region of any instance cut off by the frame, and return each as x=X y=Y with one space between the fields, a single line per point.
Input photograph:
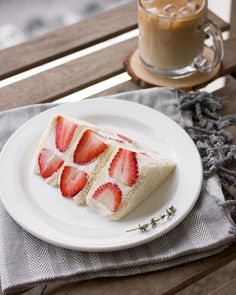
x=41 y=210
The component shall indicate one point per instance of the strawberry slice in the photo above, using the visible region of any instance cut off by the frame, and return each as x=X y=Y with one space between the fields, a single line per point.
x=125 y=138
x=72 y=181
x=124 y=167
x=48 y=162
x=89 y=147
x=109 y=194
x=65 y=130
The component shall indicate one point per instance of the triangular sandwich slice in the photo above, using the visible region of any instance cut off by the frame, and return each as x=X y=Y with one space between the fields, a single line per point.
x=127 y=179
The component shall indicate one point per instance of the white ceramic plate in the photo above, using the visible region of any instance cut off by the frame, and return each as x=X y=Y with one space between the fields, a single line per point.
x=41 y=210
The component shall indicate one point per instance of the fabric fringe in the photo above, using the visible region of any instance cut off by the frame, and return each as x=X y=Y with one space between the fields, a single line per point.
x=214 y=142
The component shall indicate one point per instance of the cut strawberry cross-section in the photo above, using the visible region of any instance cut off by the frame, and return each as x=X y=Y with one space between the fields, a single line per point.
x=65 y=130
x=109 y=194
x=48 y=163
x=124 y=167
x=72 y=181
x=89 y=147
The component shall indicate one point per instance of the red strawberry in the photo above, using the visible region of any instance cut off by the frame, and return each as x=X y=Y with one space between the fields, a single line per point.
x=72 y=181
x=48 y=163
x=109 y=194
x=124 y=167
x=89 y=147
x=125 y=138
x=65 y=130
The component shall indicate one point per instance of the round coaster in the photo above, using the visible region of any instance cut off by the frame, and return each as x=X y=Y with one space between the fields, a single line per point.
x=144 y=78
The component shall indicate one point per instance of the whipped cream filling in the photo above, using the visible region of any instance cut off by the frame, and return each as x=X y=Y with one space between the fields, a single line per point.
x=51 y=141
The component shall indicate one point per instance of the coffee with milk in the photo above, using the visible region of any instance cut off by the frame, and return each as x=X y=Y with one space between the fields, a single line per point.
x=170 y=33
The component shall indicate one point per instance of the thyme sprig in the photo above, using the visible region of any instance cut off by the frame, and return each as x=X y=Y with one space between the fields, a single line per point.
x=153 y=222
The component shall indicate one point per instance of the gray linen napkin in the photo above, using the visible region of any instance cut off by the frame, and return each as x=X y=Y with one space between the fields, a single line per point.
x=27 y=261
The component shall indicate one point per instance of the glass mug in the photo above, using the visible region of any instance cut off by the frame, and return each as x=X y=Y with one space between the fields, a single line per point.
x=172 y=35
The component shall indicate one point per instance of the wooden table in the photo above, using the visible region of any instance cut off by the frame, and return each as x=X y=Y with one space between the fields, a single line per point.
x=80 y=73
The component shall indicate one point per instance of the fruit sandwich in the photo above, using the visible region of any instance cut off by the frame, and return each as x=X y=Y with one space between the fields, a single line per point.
x=108 y=171
x=71 y=153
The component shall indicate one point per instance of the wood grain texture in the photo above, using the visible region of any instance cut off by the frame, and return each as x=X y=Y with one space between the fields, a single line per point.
x=83 y=72
x=218 y=21
x=227 y=289
x=229 y=61
x=164 y=282
x=68 y=78
x=233 y=19
x=68 y=40
x=229 y=97
x=123 y=87
x=73 y=38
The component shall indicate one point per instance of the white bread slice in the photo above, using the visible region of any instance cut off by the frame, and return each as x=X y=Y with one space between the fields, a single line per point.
x=47 y=140
x=153 y=170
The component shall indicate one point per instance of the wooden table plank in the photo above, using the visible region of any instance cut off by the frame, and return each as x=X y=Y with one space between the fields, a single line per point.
x=68 y=78
x=226 y=289
x=229 y=62
x=73 y=38
x=229 y=95
x=68 y=39
x=233 y=18
x=218 y=21
x=165 y=282
x=123 y=87
x=83 y=72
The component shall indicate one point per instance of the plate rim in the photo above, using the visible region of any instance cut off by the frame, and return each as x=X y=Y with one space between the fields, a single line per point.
x=99 y=248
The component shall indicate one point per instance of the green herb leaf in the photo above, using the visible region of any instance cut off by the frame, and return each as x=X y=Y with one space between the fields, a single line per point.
x=153 y=222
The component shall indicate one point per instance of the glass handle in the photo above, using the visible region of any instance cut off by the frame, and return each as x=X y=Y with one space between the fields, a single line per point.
x=215 y=36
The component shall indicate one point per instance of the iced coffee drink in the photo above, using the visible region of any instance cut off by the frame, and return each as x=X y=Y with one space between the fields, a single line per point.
x=171 y=34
